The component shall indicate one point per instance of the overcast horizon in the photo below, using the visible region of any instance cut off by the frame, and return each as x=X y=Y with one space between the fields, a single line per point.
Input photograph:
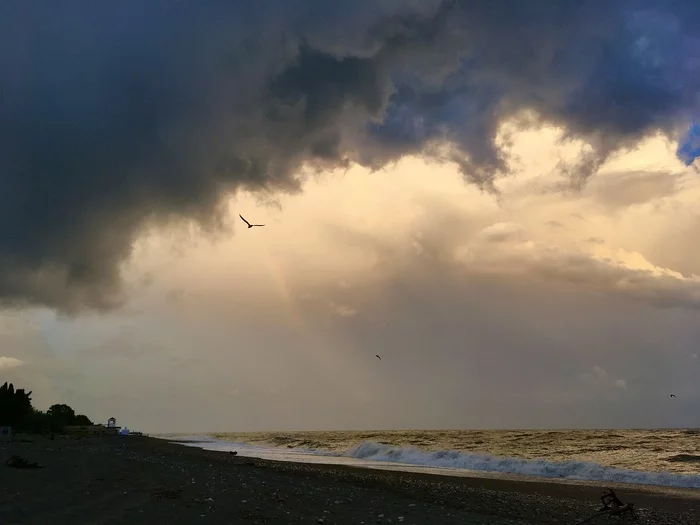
x=499 y=202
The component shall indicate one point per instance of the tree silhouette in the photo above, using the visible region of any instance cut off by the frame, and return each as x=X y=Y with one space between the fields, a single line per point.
x=16 y=410
x=60 y=416
x=82 y=420
x=61 y=412
x=14 y=404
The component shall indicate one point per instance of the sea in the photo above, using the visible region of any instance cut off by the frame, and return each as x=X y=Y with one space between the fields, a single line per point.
x=665 y=457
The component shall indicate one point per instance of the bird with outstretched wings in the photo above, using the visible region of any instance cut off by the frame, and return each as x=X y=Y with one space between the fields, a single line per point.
x=249 y=225
x=375 y=355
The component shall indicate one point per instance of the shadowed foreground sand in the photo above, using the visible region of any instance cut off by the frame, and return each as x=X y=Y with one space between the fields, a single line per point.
x=109 y=480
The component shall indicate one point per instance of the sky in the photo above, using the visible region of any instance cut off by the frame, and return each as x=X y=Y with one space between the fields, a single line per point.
x=498 y=202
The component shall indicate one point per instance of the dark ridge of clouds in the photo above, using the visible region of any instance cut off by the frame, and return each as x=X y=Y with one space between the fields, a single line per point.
x=621 y=190
x=556 y=225
x=119 y=117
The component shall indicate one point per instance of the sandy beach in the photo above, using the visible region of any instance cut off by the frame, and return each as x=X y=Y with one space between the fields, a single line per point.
x=111 y=480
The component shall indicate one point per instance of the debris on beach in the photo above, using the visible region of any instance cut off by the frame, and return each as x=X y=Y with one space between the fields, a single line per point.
x=163 y=493
x=613 y=506
x=20 y=462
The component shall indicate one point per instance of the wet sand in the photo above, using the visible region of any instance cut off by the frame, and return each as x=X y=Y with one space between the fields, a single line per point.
x=110 y=480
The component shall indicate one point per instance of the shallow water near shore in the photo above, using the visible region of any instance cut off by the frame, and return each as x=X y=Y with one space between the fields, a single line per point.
x=666 y=457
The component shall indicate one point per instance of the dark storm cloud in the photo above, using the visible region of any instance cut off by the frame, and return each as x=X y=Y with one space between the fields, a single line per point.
x=118 y=116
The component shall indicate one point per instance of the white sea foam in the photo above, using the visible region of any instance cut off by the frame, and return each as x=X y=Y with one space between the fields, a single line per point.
x=188 y=438
x=572 y=470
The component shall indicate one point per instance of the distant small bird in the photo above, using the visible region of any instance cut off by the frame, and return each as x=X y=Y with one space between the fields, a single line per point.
x=378 y=357
x=249 y=225
x=672 y=395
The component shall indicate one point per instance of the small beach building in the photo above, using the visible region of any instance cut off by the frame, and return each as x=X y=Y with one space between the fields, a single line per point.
x=110 y=429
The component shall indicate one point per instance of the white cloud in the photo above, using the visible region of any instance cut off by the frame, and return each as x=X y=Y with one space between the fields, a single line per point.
x=9 y=362
x=342 y=310
x=599 y=378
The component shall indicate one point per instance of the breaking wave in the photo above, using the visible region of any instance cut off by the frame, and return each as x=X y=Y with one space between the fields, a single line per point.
x=572 y=470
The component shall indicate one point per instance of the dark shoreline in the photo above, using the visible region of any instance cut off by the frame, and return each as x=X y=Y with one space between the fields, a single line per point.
x=85 y=478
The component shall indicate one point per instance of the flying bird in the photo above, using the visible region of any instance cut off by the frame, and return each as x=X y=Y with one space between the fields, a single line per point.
x=249 y=225
x=672 y=395
x=378 y=357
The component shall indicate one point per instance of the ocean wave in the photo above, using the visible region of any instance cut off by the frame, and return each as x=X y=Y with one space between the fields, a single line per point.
x=186 y=438
x=572 y=470
x=684 y=458
x=224 y=445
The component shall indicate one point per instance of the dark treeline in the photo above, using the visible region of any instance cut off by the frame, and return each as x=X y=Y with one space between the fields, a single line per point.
x=16 y=410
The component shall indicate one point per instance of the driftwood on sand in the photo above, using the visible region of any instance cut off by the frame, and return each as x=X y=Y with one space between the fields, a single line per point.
x=612 y=506
x=20 y=462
